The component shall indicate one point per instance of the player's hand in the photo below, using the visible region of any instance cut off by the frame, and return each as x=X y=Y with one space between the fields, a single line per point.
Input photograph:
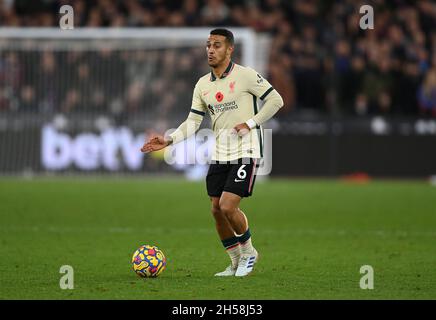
x=241 y=129
x=155 y=143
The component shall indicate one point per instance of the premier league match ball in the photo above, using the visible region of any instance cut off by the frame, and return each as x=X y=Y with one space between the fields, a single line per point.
x=148 y=261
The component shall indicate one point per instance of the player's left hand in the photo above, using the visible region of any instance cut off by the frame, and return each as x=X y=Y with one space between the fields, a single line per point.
x=241 y=129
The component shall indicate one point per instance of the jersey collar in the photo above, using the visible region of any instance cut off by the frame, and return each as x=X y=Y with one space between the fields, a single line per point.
x=226 y=72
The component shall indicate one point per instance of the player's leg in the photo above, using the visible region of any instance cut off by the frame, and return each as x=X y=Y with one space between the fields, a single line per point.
x=223 y=227
x=239 y=184
x=227 y=236
x=229 y=205
x=215 y=181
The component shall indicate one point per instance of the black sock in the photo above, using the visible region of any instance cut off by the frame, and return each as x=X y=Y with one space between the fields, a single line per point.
x=244 y=237
x=230 y=242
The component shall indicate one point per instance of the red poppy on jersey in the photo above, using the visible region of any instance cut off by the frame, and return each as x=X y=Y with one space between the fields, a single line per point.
x=219 y=96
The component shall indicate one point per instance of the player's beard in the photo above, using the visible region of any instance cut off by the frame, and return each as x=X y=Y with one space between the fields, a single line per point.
x=213 y=64
x=217 y=63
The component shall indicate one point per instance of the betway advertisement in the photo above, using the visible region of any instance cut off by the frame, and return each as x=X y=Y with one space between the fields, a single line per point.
x=118 y=149
x=113 y=149
x=403 y=148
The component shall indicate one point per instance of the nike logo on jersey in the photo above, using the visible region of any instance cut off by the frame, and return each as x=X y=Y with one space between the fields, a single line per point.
x=206 y=93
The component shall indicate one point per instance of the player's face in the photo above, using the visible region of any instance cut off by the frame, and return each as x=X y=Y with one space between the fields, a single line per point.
x=218 y=50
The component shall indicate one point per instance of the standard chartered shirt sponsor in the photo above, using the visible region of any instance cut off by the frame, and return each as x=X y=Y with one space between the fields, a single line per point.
x=225 y=106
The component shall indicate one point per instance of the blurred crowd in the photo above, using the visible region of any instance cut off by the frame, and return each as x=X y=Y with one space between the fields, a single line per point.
x=118 y=82
x=320 y=59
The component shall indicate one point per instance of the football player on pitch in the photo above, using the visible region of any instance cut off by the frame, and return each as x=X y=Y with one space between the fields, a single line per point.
x=229 y=94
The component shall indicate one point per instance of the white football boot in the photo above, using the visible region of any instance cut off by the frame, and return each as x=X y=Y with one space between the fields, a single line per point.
x=230 y=271
x=246 y=263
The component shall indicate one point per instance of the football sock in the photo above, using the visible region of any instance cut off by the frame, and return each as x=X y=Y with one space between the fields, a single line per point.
x=245 y=241
x=232 y=249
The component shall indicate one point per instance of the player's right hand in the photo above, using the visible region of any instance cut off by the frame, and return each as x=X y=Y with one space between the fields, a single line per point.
x=154 y=143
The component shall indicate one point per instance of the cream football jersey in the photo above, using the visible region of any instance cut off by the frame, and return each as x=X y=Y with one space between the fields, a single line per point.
x=231 y=100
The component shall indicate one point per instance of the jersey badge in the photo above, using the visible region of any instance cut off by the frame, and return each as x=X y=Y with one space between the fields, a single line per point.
x=232 y=86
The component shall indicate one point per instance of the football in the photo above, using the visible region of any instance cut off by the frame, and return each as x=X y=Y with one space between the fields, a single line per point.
x=148 y=261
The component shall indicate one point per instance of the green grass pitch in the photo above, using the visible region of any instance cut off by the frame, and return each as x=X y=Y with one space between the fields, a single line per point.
x=313 y=237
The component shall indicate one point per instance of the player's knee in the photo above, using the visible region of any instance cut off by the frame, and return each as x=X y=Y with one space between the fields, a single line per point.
x=217 y=213
x=227 y=209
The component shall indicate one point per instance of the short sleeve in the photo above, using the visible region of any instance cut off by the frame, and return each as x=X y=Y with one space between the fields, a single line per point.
x=258 y=85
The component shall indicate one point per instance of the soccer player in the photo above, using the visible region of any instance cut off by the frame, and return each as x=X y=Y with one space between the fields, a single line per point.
x=229 y=94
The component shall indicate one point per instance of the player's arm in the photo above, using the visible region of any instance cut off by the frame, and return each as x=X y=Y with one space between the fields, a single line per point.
x=184 y=131
x=263 y=90
x=188 y=127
